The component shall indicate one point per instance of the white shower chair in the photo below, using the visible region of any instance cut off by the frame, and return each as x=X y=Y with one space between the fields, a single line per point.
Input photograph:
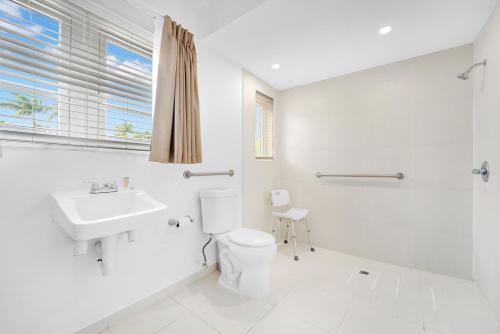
x=280 y=198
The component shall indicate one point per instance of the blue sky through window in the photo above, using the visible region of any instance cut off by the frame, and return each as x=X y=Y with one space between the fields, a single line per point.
x=140 y=125
x=41 y=31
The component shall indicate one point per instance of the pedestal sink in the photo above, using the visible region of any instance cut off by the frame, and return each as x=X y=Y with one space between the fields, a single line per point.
x=101 y=217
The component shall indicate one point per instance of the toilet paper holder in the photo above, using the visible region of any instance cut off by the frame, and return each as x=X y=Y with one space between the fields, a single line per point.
x=175 y=221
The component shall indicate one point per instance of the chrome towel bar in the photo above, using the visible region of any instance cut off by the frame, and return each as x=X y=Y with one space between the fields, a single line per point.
x=399 y=176
x=187 y=174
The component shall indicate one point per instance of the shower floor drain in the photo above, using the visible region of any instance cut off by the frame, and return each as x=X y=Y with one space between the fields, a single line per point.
x=364 y=272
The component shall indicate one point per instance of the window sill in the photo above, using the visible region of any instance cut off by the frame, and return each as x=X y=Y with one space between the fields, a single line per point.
x=54 y=146
x=29 y=140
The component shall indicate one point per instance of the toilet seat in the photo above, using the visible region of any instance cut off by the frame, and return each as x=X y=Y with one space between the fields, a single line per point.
x=250 y=238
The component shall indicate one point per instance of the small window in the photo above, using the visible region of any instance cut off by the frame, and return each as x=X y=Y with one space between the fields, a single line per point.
x=264 y=106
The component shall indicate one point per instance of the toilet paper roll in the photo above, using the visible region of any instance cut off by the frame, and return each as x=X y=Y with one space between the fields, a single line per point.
x=184 y=222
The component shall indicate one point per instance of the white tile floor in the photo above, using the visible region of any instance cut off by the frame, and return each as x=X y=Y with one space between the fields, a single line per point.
x=324 y=293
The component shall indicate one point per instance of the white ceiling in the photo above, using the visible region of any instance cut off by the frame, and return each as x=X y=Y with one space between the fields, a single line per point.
x=320 y=39
x=202 y=17
x=214 y=14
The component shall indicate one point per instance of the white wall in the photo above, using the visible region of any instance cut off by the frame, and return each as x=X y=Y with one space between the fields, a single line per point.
x=260 y=176
x=43 y=288
x=487 y=147
x=412 y=116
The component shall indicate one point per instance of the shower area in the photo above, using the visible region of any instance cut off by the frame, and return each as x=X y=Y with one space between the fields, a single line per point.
x=398 y=167
x=383 y=159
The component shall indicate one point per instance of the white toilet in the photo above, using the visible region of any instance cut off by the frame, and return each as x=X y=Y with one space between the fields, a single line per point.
x=244 y=254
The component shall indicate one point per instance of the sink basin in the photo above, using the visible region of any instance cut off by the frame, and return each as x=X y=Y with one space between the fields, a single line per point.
x=87 y=216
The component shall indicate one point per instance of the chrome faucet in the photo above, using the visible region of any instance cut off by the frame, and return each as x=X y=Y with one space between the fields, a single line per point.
x=109 y=187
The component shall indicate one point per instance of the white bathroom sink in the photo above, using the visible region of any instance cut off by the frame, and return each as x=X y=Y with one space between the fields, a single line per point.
x=102 y=217
x=87 y=216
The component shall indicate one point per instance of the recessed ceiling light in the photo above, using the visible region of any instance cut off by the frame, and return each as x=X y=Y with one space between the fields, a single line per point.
x=275 y=66
x=385 y=30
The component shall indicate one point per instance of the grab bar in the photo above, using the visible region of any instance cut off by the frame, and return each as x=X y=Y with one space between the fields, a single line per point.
x=399 y=176
x=187 y=174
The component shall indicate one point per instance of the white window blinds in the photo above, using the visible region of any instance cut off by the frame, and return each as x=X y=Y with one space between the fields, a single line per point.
x=264 y=106
x=70 y=77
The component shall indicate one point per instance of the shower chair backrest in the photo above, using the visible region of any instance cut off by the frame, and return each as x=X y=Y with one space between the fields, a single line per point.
x=280 y=197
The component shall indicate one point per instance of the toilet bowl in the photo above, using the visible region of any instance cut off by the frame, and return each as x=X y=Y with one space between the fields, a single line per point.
x=244 y=254
x=245 y=257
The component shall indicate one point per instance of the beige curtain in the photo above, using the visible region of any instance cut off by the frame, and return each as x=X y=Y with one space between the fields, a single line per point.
x=176 y=122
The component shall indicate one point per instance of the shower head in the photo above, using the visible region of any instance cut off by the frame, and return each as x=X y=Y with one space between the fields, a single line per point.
x=466 y=75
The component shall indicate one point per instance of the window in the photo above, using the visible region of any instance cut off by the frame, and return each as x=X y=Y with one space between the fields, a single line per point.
x=263 y=126
x=70 y=77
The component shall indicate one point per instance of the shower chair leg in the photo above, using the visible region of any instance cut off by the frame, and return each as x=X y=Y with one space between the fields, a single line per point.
x=286 y=233
x=309 y=235
x=295 y=257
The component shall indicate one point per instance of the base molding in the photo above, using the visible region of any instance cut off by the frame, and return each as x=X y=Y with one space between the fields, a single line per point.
x=146 y=302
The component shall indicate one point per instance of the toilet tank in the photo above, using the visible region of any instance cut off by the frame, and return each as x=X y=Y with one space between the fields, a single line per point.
x=219 y=210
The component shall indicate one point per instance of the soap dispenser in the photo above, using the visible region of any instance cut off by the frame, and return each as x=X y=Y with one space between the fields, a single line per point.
x=126 y=182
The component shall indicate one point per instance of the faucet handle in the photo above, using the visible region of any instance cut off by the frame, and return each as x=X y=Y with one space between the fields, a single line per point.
x=111 y=185
x=94 y=186
x=484 y=171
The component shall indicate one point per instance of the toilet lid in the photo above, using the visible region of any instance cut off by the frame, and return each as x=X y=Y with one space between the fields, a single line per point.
x=251 y=238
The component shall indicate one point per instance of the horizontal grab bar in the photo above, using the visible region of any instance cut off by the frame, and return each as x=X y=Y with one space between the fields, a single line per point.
x=187 y=174
x=399 y=176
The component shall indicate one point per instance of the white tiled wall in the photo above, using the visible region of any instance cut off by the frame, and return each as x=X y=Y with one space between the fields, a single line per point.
x=413 y=116
x=487 y=147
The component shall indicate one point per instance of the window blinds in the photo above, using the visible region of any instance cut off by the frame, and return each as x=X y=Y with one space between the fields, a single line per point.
x=70 y=77
x=264 y=106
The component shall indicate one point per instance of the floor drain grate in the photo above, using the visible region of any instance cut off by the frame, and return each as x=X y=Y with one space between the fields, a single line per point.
x=364 y=272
